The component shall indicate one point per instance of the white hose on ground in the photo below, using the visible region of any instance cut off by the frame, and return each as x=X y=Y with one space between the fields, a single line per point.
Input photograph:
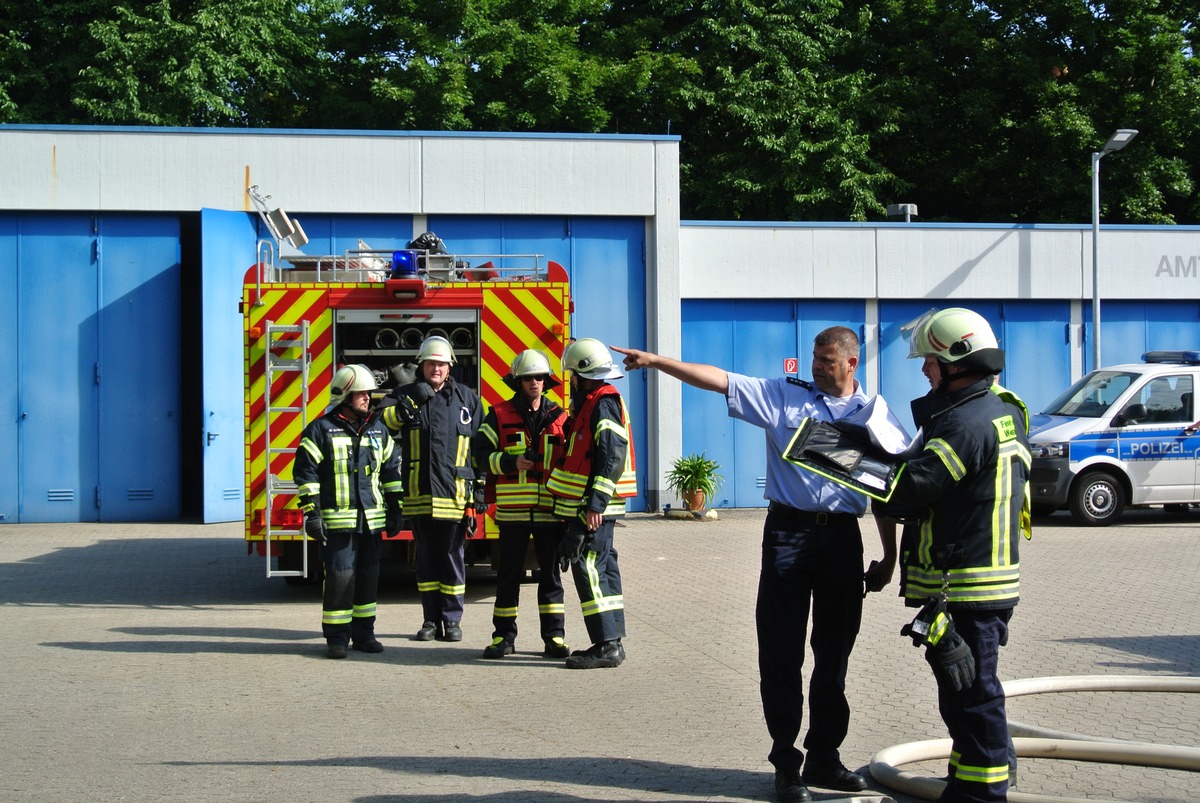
x=1060 y=745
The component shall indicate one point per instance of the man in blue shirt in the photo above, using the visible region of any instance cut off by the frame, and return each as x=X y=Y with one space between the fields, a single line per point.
x=811 y=558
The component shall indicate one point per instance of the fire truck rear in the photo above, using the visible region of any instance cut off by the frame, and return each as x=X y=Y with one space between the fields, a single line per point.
x=304 y=319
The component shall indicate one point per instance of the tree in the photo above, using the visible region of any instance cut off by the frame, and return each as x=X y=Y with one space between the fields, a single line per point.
x=204 y=63
x=776 y=121
x=1003 y=102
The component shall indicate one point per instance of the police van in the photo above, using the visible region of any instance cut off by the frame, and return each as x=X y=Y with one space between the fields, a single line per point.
x=1120 y=436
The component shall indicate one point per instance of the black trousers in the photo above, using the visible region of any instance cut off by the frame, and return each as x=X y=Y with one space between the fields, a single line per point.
x=975 y=716
x=441 y=567
x=598 y=582
x=514 y=540
x=351 y=561
x=807 y=564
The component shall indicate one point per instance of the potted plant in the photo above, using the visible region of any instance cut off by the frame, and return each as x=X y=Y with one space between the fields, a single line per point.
x=694 y=479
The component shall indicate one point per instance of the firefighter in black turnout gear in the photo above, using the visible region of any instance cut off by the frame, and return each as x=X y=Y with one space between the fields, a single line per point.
x=968 y=488
x=348 y=478
x=434 y=419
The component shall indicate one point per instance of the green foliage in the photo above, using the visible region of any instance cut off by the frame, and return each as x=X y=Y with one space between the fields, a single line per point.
x=694 y=472
x=786 y=109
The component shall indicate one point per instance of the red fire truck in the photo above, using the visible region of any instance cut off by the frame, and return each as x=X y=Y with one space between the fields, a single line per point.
x=304 y=316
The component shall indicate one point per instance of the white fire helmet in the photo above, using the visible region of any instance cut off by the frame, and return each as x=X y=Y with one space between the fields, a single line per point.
x=437 y=348
x=590 y=359
x=531 y=362
x=955 y=335
x=350 y=379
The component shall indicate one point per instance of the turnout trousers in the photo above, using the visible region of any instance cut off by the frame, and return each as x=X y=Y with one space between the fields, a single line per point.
x=975 y=717
x=351 y=562
x=818 y=566
x=598 y=582
x=514 y=540
x=441 y=567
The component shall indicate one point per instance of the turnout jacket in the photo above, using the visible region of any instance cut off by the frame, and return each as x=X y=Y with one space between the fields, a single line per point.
x=969 y=487
x=512 y=429
x=596 y=470
x=343 y=466
x=435 y=447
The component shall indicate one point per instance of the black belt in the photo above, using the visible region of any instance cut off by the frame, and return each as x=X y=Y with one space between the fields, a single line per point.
x=809 y=517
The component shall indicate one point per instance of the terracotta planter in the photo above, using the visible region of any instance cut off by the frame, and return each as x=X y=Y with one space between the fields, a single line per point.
x=693 y=500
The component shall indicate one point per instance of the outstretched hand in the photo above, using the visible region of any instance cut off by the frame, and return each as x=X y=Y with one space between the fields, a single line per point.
x=634 y=358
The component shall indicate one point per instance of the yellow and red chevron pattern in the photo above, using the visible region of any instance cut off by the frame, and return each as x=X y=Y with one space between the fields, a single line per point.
x=514 y=316
x=519 y=316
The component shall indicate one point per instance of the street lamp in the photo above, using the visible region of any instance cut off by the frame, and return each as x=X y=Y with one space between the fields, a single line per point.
x=1120 y=138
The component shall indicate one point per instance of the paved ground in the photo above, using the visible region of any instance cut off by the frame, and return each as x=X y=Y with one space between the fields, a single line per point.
x=156 y=662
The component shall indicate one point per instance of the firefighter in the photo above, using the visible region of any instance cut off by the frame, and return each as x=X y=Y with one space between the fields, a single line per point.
x=968 y=488
x=435 y=418
x=518 y=442
x=590 y=483
x=347 y=474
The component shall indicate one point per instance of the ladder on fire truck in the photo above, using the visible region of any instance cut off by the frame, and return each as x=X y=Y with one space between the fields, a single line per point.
x=282 y=340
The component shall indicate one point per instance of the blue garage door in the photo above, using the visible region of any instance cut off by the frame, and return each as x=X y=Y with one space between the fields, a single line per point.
x=1131 y=328
x=10 y=397
x=96 y=362
x=753 y=337
x=1033 y=334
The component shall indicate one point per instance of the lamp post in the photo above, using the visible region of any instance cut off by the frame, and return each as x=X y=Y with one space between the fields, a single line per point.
x=1120 y=138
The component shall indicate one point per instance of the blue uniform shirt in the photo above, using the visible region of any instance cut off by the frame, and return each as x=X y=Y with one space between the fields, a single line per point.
x=777 y=406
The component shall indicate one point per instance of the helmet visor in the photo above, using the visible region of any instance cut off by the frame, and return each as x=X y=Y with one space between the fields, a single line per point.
x=916 y=332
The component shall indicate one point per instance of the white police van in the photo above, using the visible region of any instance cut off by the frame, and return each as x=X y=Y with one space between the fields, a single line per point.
x=1120 y=436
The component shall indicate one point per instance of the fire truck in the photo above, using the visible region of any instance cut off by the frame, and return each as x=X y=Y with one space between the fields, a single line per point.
x=305 y=316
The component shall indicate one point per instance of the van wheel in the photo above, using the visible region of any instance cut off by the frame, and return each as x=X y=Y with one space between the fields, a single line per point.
x=1097 y=499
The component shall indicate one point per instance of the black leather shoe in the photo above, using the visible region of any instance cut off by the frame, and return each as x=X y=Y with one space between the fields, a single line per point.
x=367 y=645
x=789 y=788
x=835 y=776
x=451 y=631
x=604 y=655
x=427 y=632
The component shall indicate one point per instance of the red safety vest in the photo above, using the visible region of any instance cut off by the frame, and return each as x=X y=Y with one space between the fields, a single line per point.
x=569 y=480
x=522 y=495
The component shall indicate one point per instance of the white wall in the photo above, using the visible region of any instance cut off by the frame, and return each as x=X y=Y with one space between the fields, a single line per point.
x=102 y=169
x=896 y=260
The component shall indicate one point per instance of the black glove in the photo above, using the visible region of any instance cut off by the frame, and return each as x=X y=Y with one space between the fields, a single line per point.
x=470 y=522
x=570 y=548
x=952 y=657
x=314 y=525
x=395 y=514
x=409 y=403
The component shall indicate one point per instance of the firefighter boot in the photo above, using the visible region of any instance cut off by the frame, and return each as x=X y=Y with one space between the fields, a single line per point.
x=427 y=632
x=367 y=644
x=499 y=648
x=451 y=631
x=335 y=648
x=556 y=647
x=604 y=655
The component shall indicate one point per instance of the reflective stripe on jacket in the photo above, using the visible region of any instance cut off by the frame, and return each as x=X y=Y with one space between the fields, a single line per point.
x=343 y=466
x=439 y=478
x=596 y=470
x=507 y=434
x=969 y=485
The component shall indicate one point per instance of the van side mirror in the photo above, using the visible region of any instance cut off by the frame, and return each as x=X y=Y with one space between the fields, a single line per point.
x=1132 y=414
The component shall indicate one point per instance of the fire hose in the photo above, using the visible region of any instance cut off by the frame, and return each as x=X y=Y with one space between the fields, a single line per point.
x=1034 y=742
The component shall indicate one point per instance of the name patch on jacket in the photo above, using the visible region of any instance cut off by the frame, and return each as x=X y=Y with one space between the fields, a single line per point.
x=1006 y=428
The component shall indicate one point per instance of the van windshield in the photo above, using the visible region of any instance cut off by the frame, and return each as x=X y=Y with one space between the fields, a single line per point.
x=1092 y=395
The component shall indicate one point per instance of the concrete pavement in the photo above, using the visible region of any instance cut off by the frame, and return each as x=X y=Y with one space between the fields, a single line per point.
x=156 y=662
